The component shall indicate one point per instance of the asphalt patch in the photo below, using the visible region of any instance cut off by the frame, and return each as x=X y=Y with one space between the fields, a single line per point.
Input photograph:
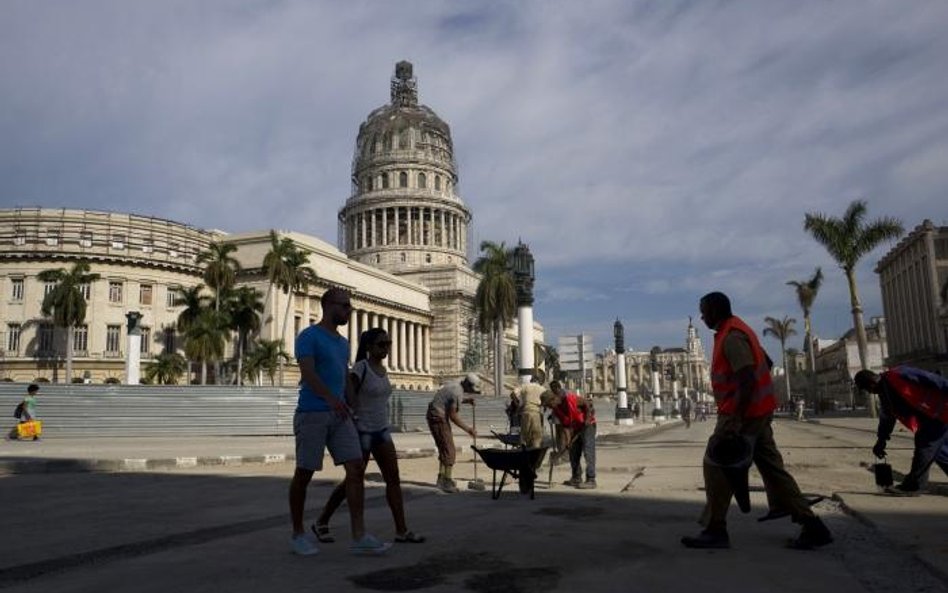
x=572 y=513
x=429 y=572
x=515 y=580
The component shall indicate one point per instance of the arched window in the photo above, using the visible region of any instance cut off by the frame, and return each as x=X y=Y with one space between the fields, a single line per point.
x=403 y=179
x=384 y=180
x=422 y=181
x=403 y=257
x=437 y=183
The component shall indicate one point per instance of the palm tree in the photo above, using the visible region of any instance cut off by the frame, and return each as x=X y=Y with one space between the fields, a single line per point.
x=166 y=368
x=267 y=357
x=495 y=300
x=847 y=239
x=244 y=307
x=194 y=302
x=806 y=295
x=65 y=302
x=221 y=271
x=782 y=329
x=297 y=277
x=205 y=339
x=274 y=262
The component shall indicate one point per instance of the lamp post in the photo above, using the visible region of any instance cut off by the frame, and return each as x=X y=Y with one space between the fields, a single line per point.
x=623 y=412
x=657 y=410
x=524 y=277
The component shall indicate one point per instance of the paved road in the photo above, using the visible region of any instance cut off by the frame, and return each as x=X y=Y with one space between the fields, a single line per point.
x=213 y=528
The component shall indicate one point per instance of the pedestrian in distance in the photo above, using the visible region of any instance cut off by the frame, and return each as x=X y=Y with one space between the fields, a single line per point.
x=578 y=418
x=686 y=411
x=442 y=412
x=744 y=392
x=369 y=392
x=919 y=400
x=25 y=412
x=324 y=420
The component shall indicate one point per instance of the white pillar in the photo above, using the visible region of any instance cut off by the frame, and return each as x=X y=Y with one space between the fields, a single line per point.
x=401 y=345
x=525 y=342
x=621 y=387
x=426 y=333
x=133 y=359
x=384 y=226
x=353 y=336
x=444 y=233
x=656 y=398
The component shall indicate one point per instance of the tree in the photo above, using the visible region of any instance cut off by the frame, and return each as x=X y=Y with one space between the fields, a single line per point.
x=495 y=300
x=205 y=339
x=194 y=302
x=244 y=308
x=166 y=368
x=267 y=357
x=847 y=240
x=221 y=270
x=297 y=277
x=65 y=302
x=274 y=263
x=782 y=329
x=806 y=295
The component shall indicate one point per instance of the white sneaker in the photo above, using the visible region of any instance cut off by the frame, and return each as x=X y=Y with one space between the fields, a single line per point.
x=303 y=546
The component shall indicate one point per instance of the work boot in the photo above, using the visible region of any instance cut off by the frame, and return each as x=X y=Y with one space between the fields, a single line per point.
x=813 y=535
x=708 y=540
x=589 y=484
x=447 y=485
x=574 y=482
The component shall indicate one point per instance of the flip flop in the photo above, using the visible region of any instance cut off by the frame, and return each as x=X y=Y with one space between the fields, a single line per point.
x=322 y=533
x=409 y=537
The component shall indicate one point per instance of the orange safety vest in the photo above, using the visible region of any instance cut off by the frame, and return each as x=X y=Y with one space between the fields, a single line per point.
x=925 y=392
x=724 y=379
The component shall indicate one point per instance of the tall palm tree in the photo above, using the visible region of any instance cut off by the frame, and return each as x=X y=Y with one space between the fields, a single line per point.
x=495 y=300
x=806 y=295
x=194 y=302
x=244 y=307
x=267 y=357
x=221 y=270
x=166 y=368
x=274 y=263
x=65 y=302
x=206 y=338
x=847 y=239
x=782 y=329
x=297 y=277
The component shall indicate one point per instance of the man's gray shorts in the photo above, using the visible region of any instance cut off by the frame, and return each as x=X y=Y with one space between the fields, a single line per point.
x=317 y=431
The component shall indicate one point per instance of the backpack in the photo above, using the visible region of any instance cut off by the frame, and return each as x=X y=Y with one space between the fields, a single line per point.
x=18 y=411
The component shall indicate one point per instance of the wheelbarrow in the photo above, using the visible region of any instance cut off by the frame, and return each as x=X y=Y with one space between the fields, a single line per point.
x=510 y=439
x=519 y=464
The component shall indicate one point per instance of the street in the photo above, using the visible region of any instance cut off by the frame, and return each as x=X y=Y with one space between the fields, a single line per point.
x=226 y=527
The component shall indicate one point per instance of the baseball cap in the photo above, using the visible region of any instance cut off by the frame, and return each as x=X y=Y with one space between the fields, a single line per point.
x=474 y=381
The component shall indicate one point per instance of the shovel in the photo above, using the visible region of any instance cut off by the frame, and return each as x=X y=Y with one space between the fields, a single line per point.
x=476 y=483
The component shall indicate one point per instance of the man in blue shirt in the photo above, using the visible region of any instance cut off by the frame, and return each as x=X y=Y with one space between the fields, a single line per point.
x=323 y=420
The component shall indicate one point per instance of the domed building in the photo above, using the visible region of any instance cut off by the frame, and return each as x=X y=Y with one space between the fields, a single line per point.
x=405 y=215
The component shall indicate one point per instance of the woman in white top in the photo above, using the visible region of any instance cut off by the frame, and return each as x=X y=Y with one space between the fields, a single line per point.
x=368 y=392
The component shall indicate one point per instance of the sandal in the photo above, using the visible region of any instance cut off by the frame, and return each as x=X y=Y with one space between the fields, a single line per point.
x=409 y=537
x=322 y=533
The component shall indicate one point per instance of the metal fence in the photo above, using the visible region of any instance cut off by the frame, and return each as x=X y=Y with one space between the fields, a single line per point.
x=180 y=411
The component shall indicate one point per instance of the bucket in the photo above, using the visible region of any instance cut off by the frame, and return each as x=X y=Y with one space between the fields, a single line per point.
x=883 y=474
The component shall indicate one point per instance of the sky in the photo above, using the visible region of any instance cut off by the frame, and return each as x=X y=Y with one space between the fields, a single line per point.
x=647 y=152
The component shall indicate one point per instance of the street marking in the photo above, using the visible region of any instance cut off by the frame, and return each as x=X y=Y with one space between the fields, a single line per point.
x=186 y=461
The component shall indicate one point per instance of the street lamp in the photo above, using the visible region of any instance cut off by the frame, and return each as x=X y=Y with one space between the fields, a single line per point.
x=623 y=412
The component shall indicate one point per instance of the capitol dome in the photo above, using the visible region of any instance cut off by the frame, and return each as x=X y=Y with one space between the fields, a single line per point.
x=404 y=211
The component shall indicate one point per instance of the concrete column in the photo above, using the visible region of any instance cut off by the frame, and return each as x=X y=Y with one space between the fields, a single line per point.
x=656 y=386
x=401 y=345
x=363 y=322
x=427 y=334
x=525 y=342
x=133 y=353
x=621 y=386
x=395 y=229
x=410 y=330
x=384 y=226
x=353 y=336
x=443 y=238
x=411 y=226
x=372 y=229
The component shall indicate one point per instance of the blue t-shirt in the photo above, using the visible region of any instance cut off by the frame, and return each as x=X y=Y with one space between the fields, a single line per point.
x=330 y=352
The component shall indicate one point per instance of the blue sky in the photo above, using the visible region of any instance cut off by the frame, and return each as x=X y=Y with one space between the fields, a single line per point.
x=648 y=152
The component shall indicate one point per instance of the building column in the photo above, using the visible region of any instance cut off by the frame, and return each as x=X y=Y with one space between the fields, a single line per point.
x=441 y=238
x=427 y=336
x=401 y=345
x=363 y=322
x=410 y=345
x=350 y=332
x=384 y=226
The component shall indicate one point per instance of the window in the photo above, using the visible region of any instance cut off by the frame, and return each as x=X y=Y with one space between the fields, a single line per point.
x=118 y=241
x=48 y=288
x=17 y=292
x=19 y=238
x=403 y=179
x=85 y=239
x=144 y=294
x=437 y=183
x=148 y=245
x=113 y=334
x=52 y=237
x=115 y=292
x=427 y=258
x=146 y=340
x=13 y=337
x=297 y=322
x=384 y=180
x=422 y=181
x=169 y=340
x=171 y=300
x=85 y=290
x=44 y=338
x=403 y=258
x=80 y=338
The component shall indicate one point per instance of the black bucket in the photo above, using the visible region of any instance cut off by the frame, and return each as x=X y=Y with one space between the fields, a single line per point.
x=883 y=473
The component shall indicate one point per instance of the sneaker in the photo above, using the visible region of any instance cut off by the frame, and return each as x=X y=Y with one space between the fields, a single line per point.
x=708 y=540
x=302 y=546
x=587 y=485
x=813 y=535
x=369 y=545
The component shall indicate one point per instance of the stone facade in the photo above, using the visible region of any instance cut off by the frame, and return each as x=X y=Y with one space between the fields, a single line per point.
x=913 y=278
x=837 y=362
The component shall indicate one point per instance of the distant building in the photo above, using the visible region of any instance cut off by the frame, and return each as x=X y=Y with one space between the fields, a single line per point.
x=913 y=277
x=837 y=361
